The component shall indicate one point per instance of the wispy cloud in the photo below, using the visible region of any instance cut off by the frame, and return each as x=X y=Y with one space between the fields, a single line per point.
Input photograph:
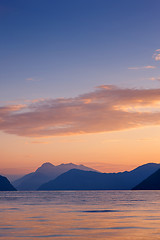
x=145 y=139
x=31 y=79
x=39 y=142
x=108 y=108
x=141 y=68
x=154 y=78
x=156 y=55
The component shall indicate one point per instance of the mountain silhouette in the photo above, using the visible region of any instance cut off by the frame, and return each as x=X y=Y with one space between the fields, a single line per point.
x=150 y=183
x=43 y=174
x=5 y=185
x=82 y=180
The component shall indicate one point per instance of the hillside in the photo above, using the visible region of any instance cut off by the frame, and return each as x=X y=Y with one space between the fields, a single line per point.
x=150 y=183
x=5 y=185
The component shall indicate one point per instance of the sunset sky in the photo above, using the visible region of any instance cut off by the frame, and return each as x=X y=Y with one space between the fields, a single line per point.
x=79 y=82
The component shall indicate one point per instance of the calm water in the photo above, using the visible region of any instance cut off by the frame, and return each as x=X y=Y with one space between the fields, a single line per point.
x=80 y=215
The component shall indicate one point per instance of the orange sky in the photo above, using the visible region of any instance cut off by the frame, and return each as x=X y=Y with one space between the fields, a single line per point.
x=107 y=152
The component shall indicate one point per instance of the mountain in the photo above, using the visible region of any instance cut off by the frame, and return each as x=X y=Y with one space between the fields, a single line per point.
x=43 y=174
x=83 y=180
x=150 y=183
x=5 y=185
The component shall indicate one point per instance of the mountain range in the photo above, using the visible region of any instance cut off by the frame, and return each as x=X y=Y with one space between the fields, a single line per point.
x=76 y=179
x=5 y=185
x=79 y=177
x=43 y=174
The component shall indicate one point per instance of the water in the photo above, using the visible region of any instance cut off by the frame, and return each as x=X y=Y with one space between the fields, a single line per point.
x=80 y=215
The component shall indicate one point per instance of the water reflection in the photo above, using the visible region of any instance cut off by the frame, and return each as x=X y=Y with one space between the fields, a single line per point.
x=80 y=215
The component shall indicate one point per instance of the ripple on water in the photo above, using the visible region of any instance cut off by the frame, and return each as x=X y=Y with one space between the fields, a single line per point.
x=99 y=211
x=47 y=236
x=111 y=228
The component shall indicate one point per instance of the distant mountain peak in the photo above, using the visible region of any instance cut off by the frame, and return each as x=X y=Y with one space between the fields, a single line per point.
x=66 y=164
x=147 y=167
x=47 y=164
x=46 y=172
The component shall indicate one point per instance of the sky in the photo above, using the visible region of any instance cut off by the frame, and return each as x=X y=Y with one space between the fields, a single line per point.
x=79 y=82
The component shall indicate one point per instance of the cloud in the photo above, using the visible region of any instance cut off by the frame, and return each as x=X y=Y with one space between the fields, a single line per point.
x=108 y=108
x=32 y=79
x=145 y=139
x=39 y=142
x=29 y=79
x=141 y=68
x=154 y=78
x=156 y=55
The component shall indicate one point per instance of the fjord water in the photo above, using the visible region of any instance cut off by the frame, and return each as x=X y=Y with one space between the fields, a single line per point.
x=80 y=215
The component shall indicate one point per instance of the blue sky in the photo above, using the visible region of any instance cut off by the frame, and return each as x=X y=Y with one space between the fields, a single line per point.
x=62 y=48
x=53 y=55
